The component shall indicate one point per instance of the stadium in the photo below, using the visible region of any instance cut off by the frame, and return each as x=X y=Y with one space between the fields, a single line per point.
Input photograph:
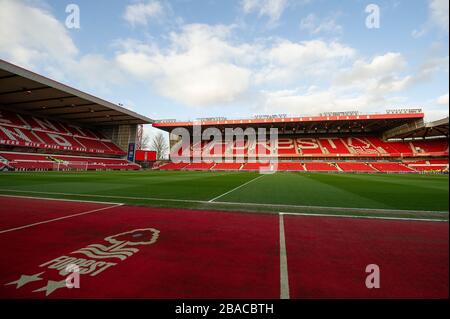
x=300 y=216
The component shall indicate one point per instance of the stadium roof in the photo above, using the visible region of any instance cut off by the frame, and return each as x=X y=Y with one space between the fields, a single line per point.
x=23 y=90
x=437 y=128
x=354 y=123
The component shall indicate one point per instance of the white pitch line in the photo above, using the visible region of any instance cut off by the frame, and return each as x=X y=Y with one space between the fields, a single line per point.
x=104 y=196
x=345 y=209
x=366 y=217
x=59 y=218
x=61 y=199
x=236 y=188
x=284 y=277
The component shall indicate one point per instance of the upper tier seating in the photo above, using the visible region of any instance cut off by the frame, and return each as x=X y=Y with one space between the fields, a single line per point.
x=355 y=167
x=62 y=162
x=29 y=131
x=431 y=146
x=320 y=147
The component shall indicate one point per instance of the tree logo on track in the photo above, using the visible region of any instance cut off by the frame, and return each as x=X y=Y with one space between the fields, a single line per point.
x=121 y=246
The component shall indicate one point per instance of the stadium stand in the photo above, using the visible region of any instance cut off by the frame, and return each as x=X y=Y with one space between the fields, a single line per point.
x=29 y=131
x=46 y=125
x=367 y=153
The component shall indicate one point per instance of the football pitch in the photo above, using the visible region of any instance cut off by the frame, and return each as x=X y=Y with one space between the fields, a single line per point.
x=366 y=195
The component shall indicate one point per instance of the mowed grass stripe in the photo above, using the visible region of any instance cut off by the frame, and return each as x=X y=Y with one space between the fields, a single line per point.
x=394 y=191
x=170 y=185
x=299 y=189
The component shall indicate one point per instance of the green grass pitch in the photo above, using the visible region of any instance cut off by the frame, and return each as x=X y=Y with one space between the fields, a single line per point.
x=409 y=196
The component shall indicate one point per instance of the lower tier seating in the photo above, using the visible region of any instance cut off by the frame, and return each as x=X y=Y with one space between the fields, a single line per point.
x=199 y=166
x=227 y=166
x=290 y=166
x=431 y=165
x=320 y=167
x=173 y=166
x=255 y=166
x=367 y=167
x=355 y=167
x=388 y=167
x=25 y=161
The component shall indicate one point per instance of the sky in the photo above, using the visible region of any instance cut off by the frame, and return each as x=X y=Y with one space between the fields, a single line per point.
x=186 y=59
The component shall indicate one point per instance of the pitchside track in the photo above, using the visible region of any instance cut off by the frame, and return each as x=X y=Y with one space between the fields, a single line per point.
x=307 y=236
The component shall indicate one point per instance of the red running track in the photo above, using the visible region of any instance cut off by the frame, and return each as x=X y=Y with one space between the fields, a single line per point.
x=136 y=252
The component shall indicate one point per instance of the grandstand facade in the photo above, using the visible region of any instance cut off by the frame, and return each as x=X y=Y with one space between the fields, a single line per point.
x=45 y=125
x=398 y=141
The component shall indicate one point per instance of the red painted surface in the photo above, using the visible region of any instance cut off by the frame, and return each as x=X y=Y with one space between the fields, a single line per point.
x=198 y=254
x=176 y=253
x=327 y=257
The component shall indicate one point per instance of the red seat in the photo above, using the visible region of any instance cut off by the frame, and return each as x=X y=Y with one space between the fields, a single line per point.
x=320 y=167
x=227 y=166
x=391 y=167
x=199 y=166
x=355 y=167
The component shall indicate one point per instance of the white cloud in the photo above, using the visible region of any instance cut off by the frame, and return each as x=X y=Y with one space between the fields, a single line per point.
x=141 y=13
x=439 y=13
x=443 y=100
x=367 y=86
x=29 y=35
x=288 y=61
x=313 y=103
x=438 y=18
x=315 y=25
x=380 y=66
x=381 y=76
x=270 y=8
x=200 y=67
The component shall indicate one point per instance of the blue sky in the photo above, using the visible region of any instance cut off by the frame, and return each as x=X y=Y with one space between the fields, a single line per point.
x=185 y=59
